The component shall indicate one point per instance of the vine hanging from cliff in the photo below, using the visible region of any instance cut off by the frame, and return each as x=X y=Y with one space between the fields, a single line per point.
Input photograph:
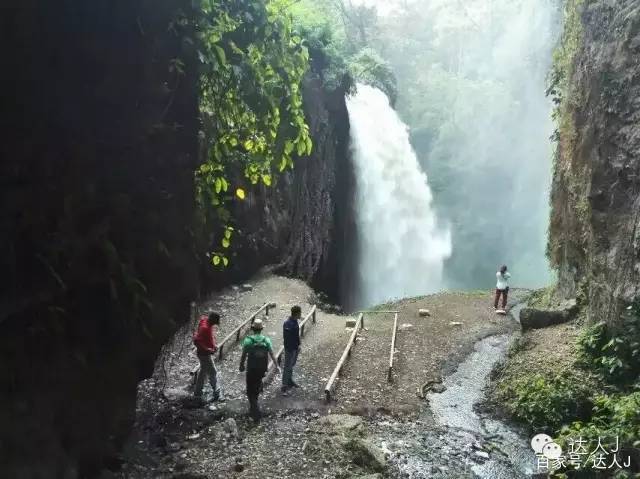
x=251 y=105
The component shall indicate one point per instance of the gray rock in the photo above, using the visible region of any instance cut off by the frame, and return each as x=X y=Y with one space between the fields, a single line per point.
x=482 y=454
x=230 y=427
x=532 y=318
x=424 y=312
x=339 y=424
x=367 y=455
x=438 y=388
x=246 y=287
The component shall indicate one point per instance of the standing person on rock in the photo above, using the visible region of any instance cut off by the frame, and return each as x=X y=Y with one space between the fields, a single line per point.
x=502 y=287
x=204 y=340
x=291 y=337
x=256 y=350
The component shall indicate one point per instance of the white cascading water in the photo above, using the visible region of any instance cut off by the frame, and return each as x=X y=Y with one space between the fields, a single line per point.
x=401 y=246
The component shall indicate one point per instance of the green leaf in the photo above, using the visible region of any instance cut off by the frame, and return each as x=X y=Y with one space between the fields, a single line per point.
x=225 y=243
x=302 y=146
x=288 y=147
x=266 y=179
x=225 y=261
x=248 y=145
x=240 y=193
x=220 y=55
x=309 y=145
x=218 y=185
x=227 y=234
x=216 y=260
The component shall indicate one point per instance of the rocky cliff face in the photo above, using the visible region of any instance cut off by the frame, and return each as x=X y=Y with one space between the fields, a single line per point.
x=98 y=153
x=304 y=224
x=595 y=223
x=99 y=148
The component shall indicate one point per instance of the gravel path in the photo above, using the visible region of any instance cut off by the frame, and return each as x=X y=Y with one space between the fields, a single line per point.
x=322 y=345
x=176 y=439
x=364 y=378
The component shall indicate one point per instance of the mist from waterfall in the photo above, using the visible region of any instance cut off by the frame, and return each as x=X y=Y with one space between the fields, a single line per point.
x=471 y=81
x=401 y=246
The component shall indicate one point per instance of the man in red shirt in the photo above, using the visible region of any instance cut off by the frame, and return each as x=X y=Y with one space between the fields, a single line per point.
x=205 y=341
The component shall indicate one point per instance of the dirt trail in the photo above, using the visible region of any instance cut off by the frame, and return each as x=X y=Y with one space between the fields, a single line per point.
x=322 y=346
x=363 y=382
x=173 y=438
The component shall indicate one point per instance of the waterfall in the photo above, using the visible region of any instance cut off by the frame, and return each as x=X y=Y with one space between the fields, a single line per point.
x=401 y=247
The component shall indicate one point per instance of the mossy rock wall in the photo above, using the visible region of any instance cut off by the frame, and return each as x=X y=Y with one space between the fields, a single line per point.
x=594 y=235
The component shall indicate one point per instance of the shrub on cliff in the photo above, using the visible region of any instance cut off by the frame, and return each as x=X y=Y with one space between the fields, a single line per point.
x=613 y=351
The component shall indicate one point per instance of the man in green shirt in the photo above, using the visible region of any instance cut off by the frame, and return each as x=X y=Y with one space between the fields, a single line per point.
x=256 y=350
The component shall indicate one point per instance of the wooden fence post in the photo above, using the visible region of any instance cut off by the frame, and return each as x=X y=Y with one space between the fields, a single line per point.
x=393 y=347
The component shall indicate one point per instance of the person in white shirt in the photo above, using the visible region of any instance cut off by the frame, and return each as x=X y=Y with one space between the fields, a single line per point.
x=502 y=287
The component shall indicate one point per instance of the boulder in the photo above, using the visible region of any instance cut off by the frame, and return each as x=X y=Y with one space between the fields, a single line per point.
x=339 y=424
x=367 y=455
x=350 y=322
x=230 y=427
x=532 y=318
x=424 y=312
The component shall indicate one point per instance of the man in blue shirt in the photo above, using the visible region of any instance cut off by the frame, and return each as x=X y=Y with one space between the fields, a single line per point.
x=291 y=336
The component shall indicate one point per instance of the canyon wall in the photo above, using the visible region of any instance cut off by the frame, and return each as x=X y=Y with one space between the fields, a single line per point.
x=594 y=235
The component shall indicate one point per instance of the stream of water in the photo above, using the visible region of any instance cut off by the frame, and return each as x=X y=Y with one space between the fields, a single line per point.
x=468 y=443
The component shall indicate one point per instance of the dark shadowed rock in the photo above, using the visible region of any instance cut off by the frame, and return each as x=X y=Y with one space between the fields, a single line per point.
x=532 y=318
x=367 y=455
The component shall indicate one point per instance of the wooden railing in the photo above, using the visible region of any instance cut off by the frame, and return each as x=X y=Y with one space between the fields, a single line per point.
x=393 y=347
x=347 y=352
x=311 y=315
x=236 y=333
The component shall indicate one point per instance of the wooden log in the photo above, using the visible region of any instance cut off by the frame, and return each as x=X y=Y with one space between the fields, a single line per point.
x=393 y=347
x=237 y=331
x=310 y=315
x=380 y=311
x=347 y=351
